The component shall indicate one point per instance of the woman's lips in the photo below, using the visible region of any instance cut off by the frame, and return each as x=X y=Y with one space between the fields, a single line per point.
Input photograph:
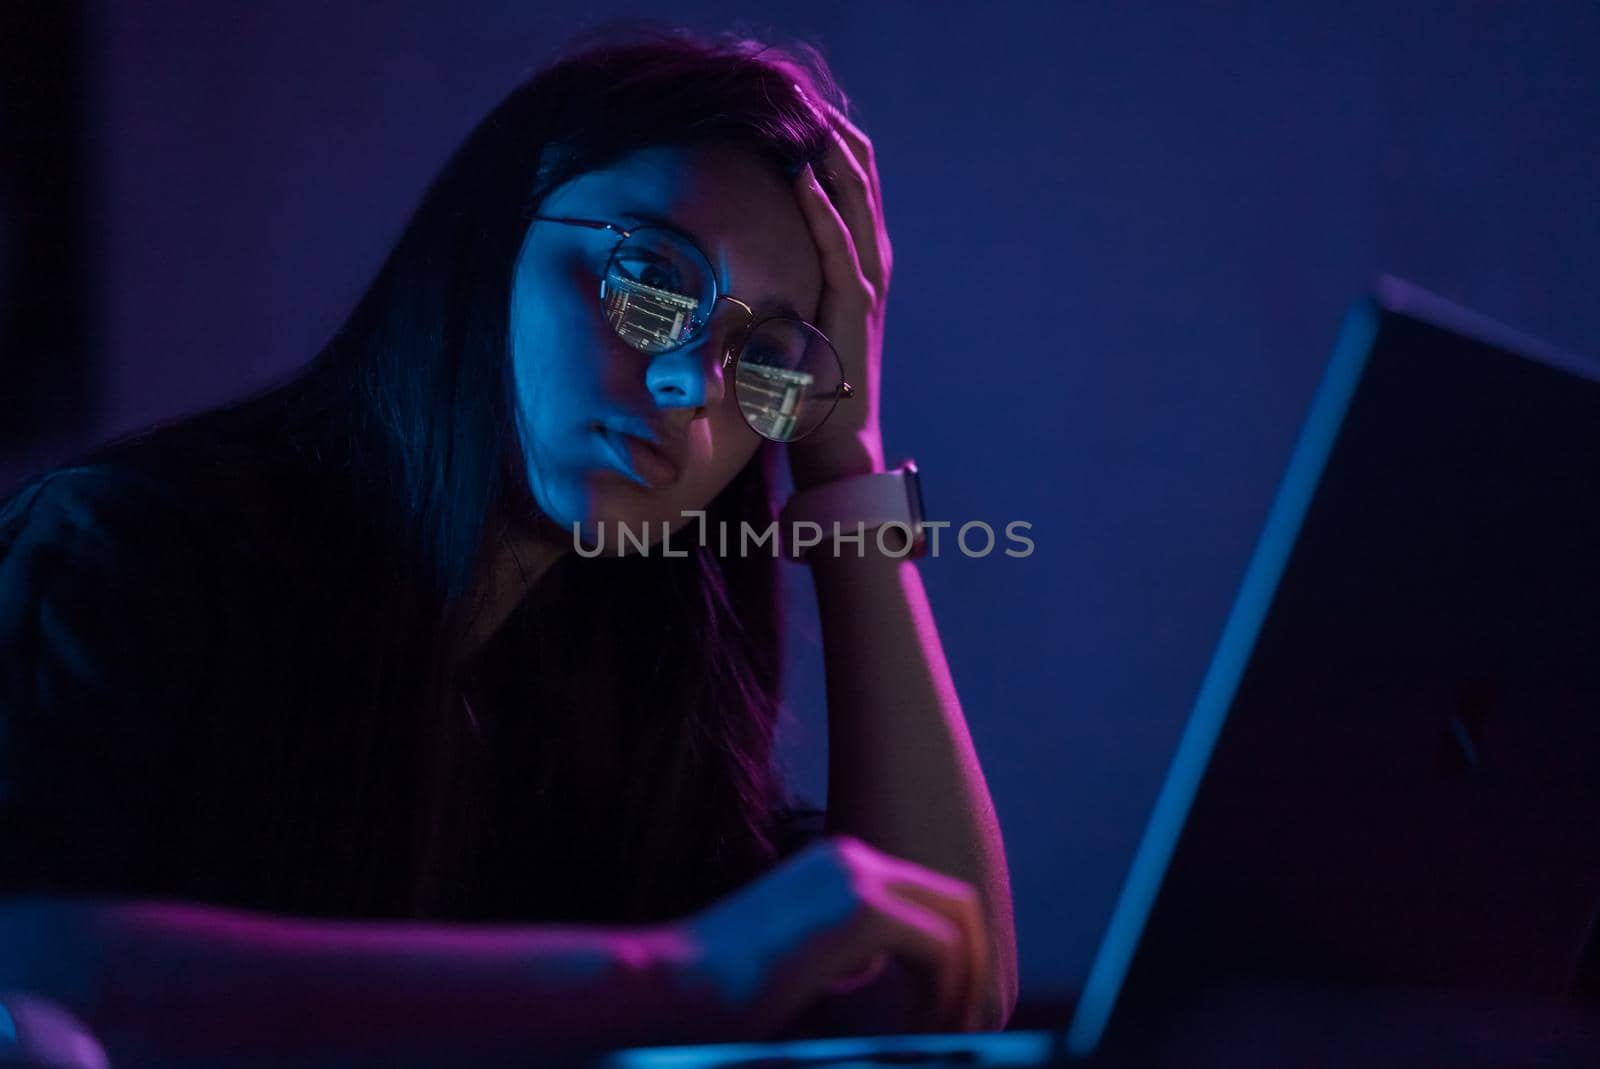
x=641 y=460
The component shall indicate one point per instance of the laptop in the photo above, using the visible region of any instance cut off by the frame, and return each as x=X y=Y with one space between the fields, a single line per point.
x=1379 y=836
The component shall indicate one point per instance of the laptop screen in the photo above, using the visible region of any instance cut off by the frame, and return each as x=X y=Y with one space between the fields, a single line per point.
x=1391 y=773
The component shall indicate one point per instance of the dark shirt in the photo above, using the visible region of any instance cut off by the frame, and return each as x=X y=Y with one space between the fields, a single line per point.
x=184 y=657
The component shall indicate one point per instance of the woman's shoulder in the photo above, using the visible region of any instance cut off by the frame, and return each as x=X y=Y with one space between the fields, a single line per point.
x=97 y=565
x=170 y=626
x=150 y=545
x=92 y=517
x=106 y=626
x=117 y=522
x=186 y=488
x=88 y=479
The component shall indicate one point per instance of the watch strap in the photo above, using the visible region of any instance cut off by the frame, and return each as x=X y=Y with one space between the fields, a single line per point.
x=871 y=500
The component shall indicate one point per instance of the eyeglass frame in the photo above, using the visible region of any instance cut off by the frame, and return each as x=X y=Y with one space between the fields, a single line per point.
x=845 y=390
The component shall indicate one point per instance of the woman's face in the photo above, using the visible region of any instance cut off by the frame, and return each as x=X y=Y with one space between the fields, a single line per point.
x=583 y=394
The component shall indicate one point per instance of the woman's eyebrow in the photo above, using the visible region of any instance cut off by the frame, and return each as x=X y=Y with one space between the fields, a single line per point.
x=767 y=305
x=777 y=306
x=635 y=219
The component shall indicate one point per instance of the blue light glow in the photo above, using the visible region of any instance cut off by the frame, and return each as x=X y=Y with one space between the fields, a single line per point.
x=1024 y=1048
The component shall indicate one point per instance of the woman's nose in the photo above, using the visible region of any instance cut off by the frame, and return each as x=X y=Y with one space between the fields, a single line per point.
x=693 y=375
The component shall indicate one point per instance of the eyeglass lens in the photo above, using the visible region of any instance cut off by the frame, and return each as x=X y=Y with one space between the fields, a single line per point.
x=657 y=294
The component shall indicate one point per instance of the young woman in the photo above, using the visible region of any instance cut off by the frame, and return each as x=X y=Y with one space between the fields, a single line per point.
x=327 y=734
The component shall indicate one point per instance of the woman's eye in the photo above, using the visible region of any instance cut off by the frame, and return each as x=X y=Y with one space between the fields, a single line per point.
x=656 y=273
x=660 y=276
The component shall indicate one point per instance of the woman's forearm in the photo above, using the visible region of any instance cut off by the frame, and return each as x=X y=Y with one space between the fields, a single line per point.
x=178 y=984
x=902 y=771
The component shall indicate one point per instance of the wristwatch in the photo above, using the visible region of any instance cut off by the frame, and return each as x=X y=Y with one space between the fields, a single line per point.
x=860 y=503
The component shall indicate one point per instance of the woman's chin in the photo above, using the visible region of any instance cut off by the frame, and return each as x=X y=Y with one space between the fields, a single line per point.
x=626 y=532
x=611 y=515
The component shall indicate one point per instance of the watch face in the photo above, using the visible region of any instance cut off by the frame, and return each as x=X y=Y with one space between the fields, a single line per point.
x=914 y=496
x=919 y=535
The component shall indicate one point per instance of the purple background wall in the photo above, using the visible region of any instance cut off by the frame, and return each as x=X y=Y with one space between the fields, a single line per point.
x=1124 y=236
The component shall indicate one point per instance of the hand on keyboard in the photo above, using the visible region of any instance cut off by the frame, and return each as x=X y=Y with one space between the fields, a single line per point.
x=842 y=937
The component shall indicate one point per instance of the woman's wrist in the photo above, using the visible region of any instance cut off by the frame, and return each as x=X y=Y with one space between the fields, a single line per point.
x=814 y=464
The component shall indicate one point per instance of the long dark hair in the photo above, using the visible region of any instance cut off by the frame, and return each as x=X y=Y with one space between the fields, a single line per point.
x=409 y=404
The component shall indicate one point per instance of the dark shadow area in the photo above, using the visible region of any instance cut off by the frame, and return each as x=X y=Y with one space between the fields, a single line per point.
x=46 y=298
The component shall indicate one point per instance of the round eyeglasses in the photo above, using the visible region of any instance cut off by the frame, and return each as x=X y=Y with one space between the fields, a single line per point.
x=658 y=292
